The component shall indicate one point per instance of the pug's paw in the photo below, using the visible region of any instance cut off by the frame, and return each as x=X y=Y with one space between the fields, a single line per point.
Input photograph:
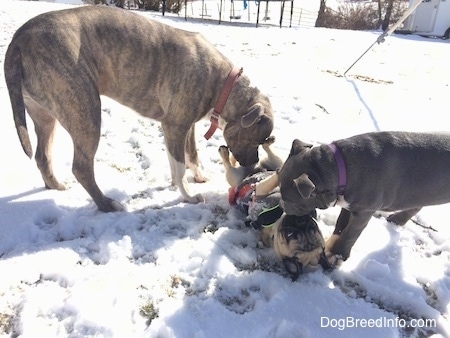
x=334 y=260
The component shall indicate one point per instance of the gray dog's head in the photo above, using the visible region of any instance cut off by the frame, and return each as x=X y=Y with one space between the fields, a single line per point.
x=299 y=192
x=244 y=135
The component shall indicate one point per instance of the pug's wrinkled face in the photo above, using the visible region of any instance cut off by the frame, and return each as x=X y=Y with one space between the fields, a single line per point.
x=298 y=242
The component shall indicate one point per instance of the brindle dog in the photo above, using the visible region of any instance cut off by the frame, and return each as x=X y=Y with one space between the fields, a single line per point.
x=59 y=63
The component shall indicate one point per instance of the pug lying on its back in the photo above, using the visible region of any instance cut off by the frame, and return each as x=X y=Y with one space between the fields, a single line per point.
x=255 y=191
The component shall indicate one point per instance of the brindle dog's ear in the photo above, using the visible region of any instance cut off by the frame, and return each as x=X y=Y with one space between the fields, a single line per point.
x=299 y=146
x=253 y=115
x=304 y=185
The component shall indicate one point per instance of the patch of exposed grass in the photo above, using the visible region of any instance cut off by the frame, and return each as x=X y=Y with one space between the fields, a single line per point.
x=148 y=311
x=5 y=323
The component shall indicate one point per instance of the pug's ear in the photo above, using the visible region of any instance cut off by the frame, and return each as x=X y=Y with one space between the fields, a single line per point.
x=253 y=115
x=304 y=186
x=299 y=146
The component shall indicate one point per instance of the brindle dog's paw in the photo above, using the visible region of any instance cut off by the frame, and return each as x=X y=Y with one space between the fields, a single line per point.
x=55 y=185
x=110 y=205
x=117 y=206
x=199 y=178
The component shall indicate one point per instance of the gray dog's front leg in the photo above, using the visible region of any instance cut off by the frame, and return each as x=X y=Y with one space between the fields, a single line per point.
x=348 y=228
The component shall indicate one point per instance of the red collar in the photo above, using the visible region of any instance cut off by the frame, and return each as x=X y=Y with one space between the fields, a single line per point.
x=238 y=193
x=223 y=97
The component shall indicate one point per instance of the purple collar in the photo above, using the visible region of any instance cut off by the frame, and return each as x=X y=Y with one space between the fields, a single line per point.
x=342 y=172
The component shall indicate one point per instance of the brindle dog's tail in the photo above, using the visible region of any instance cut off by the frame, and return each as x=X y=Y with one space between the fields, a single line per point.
x=13 y=76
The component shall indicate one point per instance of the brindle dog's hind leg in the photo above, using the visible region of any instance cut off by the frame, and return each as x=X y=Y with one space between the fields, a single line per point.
x=84 y=128
x=44 y=125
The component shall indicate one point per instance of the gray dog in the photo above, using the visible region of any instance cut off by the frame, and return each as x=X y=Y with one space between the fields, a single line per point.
x=59 y=63
x=388 y=171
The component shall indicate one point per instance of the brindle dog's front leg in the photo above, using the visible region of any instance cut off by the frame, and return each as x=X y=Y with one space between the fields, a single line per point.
x=348 y=228
x=176 y=146
x=192 y=161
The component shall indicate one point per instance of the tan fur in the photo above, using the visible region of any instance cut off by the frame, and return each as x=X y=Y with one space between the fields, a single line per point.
x=235 y=174
x=306 y=248
x=330 y=243
x=266 y=235
x=265 y=186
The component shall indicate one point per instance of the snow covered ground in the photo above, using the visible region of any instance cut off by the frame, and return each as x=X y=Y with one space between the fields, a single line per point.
x=169 y=269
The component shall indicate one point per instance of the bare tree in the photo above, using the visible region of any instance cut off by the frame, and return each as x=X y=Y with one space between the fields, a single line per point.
x=387 y=17
x=380 y=9
x=320 y=16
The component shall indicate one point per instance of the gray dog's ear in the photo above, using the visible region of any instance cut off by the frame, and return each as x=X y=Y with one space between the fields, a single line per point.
x=253 y=116
x=304 y=185
x=299 y=146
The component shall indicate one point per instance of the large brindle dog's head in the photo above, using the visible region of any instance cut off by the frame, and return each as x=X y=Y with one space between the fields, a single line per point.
x=245 y=134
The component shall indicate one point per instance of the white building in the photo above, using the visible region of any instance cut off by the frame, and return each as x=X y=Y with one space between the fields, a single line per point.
x=431 y=18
